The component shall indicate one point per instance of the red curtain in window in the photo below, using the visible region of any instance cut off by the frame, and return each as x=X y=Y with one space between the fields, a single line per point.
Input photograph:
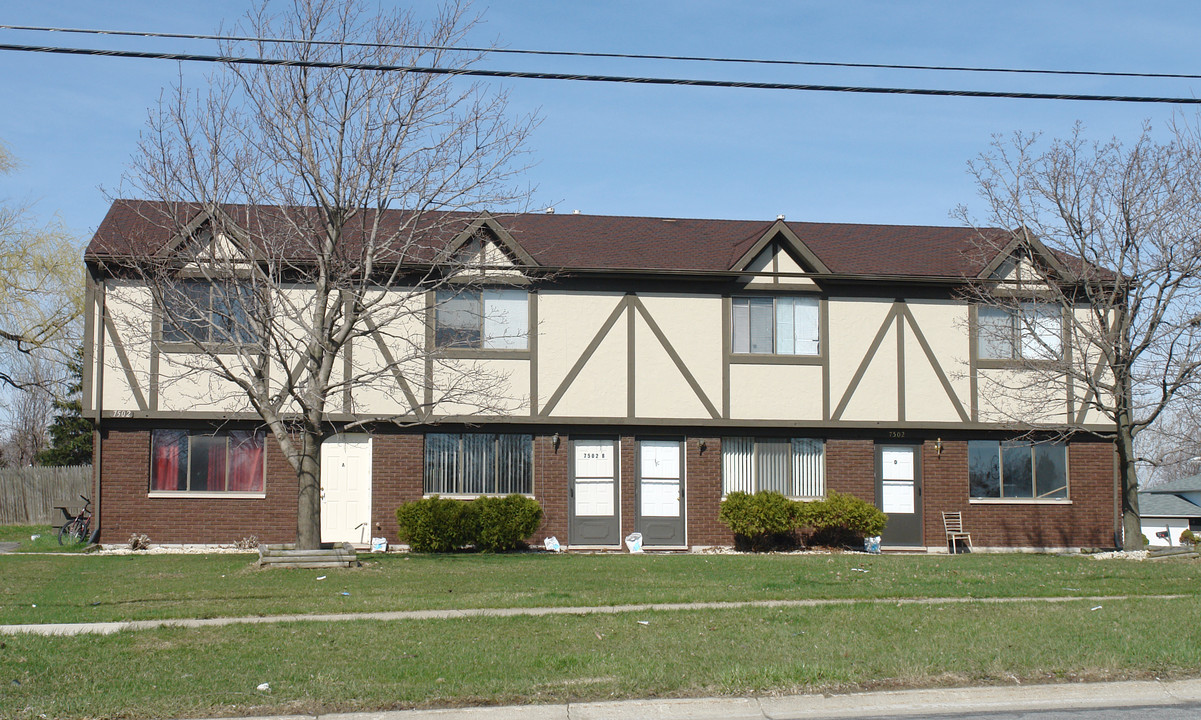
x=169 y=449
x=246 y=461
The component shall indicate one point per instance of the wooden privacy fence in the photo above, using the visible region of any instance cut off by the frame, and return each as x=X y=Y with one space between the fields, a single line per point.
x=29 y=495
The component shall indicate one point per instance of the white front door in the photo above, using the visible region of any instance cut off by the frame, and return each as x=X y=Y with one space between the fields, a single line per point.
x=346 y=489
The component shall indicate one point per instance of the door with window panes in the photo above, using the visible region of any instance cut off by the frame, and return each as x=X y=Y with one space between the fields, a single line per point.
x=899 y=494
x=593 y=503
x=660 y=501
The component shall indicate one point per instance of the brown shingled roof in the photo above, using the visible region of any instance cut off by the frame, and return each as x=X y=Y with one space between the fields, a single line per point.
x=603 y=242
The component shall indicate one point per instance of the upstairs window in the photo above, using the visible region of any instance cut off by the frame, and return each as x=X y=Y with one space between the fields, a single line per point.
x=775 y=325
x=1017 y=470
x=221 y=462
x=211 y=312
x=479 y=464
x=795 y=467
x=487 y=319
x=1030 y=331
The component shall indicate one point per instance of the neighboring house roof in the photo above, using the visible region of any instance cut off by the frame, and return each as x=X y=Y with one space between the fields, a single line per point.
x=1159 y=505
x=601 y=242
x=1183 y=485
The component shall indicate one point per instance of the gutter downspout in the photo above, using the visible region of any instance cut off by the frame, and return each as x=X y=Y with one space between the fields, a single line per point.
x=98 y=466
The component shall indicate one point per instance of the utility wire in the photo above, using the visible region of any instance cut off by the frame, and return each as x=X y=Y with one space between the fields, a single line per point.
x=630 y=56
x=478 y=72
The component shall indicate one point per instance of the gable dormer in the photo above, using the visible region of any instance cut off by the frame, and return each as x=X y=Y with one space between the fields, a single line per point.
x=1023 y=264
x=780 y=259
x=485 y=248
x=210 y=239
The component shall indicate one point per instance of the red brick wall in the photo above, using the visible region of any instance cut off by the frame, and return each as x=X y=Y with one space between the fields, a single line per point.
x=127 y=507
x=703 y=488
x=397 y=468
x=1085 y=522
x=397 y=476
x=550 y=486
x=851 y=468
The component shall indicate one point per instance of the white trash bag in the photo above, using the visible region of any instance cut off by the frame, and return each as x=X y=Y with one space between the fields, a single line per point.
x=634 y=542
x=552 y=544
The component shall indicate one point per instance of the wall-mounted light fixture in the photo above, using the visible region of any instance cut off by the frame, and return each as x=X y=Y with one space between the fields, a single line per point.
x=701 y=445
x=938 y=447
x=555 y=441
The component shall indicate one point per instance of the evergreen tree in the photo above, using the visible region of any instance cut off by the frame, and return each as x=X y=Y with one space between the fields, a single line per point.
x=71 y=432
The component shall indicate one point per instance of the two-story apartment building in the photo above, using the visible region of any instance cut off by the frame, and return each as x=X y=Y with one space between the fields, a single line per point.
x=650 y=366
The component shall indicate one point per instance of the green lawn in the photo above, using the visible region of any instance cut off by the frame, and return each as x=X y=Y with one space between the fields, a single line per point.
x=368 y=665
x=107 y=588
x=37 y=538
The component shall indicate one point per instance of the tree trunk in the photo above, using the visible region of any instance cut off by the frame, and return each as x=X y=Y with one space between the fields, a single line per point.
x=308 y=509
x=1132 y=533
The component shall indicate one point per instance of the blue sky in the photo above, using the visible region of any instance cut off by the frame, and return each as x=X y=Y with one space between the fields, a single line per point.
x=669 y=151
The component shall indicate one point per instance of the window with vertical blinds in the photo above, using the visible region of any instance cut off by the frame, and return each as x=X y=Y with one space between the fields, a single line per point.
x=794 y=467
x=479 y=464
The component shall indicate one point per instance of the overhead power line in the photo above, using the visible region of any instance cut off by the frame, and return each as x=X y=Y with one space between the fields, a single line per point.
x=480 y=72
x=629 y=56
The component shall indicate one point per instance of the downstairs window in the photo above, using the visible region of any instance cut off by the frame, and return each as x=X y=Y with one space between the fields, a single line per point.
x=232 y=461
x=793 y=467
x=479 y=464
x=1017 y=470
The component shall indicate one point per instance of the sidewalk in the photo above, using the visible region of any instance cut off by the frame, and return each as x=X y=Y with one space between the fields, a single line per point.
x=107 y=628
x=954 y=701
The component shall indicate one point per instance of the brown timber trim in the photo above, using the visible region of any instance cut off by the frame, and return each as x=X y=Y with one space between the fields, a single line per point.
x=863 y=365
x=392 y=365
x=899 y=305
x=942 y=376
x=631 y=361
x=587 y=425
x=89 y=344
x=119 y=348
x=156 y=334
x=584 y=357
x=772 y=359
x=1089 y=393
x=973 y=362
x=481 y=354
x=532 y=343
x=675 y=357
x=823 y=347
x=726 y=354
x=428 y=399
x=348 y=364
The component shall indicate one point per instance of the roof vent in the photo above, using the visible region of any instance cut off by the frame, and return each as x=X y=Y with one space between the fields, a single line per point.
x=550 y=211
x=780 y=216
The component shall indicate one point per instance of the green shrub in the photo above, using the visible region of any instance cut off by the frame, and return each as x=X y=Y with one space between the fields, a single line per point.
x=760 y=521
x=490 y=524
x=843 y=519
x=1146 y=542
x=1188 y=537
x=503 y=523
x=436 y=524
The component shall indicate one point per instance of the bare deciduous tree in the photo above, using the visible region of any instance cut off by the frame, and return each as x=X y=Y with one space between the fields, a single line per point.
x=331 y=197
x=1103 y=303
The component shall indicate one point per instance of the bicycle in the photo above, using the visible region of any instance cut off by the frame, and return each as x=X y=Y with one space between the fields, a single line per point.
x=76 y=528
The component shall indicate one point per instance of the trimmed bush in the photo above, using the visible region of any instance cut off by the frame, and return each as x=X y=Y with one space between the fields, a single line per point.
x=1188 y=537
x=490 y=524
x=436 y=524
x=760 y=521
x=503 y=523
x=768 y=520
x=848 y=512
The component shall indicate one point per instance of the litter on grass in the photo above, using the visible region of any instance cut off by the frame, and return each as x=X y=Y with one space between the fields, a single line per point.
x=320 y=577
x=1097 y=608
x=644 y=622
x=264 y=687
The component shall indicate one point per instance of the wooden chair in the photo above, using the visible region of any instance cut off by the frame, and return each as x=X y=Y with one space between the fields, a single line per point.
x=952 y=523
